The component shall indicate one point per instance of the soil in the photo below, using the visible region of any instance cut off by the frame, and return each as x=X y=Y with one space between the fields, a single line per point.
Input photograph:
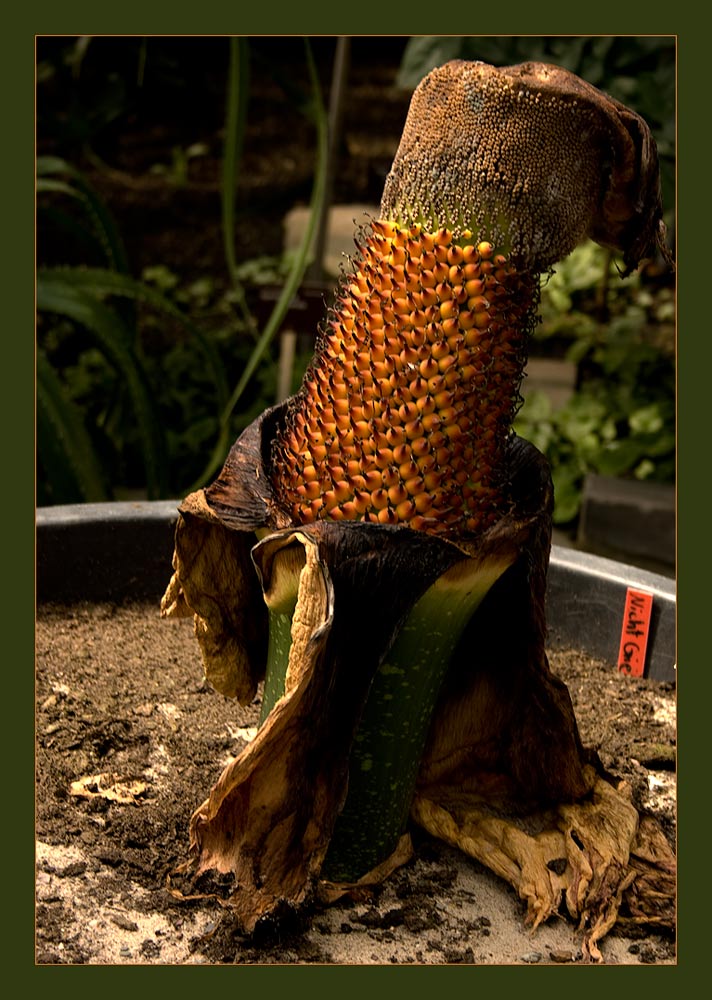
x=130 y=739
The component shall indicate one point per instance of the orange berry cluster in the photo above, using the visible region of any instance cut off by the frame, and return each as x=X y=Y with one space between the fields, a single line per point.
x=404 y=414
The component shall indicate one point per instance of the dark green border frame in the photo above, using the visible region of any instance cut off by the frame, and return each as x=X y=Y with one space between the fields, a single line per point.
x=158 y=17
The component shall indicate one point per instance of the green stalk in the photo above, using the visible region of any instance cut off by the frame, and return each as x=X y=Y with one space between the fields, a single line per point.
x=281 y=600
x=391 y=737
x=296 y=273
x=235 y=120
x=280 y=640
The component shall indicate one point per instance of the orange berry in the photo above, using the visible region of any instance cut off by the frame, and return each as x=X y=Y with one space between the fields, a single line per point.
x=405 y=510
x=379 y=499
x=397 y=493
x=441 y=271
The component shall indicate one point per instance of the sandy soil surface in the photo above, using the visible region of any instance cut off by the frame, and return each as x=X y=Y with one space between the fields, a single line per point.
x=129 y=741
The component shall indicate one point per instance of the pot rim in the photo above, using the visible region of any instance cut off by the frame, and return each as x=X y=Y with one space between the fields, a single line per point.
x=122 y=550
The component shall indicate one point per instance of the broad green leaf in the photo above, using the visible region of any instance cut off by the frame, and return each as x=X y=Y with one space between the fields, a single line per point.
x=581 y=417
x=568 y=482
x=619 y=457
x=644 y=470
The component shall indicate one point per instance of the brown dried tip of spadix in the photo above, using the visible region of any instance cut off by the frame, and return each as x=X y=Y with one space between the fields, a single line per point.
x=531 y=157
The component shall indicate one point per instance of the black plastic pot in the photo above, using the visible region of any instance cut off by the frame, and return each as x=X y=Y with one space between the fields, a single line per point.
x=119 y=551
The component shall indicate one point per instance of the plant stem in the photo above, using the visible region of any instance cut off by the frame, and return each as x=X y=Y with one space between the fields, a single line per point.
x=391 y=737
x=296 y=274
x=280 y=638
x=393 y=729
x=234 y=135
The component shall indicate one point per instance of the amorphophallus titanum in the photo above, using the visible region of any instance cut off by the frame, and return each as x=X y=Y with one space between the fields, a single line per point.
x=376 y=547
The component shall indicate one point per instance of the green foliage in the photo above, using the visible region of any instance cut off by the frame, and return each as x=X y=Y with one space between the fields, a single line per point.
x=68 y=456
x=621 y=419
x=103 y=379
x=58 y=295
x=133 y=388
x=151 y=396
x=95 y=227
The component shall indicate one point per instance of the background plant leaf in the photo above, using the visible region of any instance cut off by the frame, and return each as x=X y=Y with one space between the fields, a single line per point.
x=57 y=295
x=69 y=463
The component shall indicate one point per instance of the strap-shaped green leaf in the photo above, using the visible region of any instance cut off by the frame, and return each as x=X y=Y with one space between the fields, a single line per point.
x=57 y=295
x=235 y=122
x=67 y=454
x=296 y=273
x=99 y=282
x=76 y=185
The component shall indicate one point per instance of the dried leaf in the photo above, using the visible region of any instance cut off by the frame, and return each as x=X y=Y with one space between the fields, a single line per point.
x=270 y=816
x=109 y=786
x=214 y=577
x=330 y=892
x=582 y=853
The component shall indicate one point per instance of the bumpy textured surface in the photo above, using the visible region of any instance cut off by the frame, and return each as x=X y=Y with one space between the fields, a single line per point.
x=406 y=410
x=530 y=157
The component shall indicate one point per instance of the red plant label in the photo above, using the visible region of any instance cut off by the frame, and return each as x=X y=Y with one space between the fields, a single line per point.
x=634 y=634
